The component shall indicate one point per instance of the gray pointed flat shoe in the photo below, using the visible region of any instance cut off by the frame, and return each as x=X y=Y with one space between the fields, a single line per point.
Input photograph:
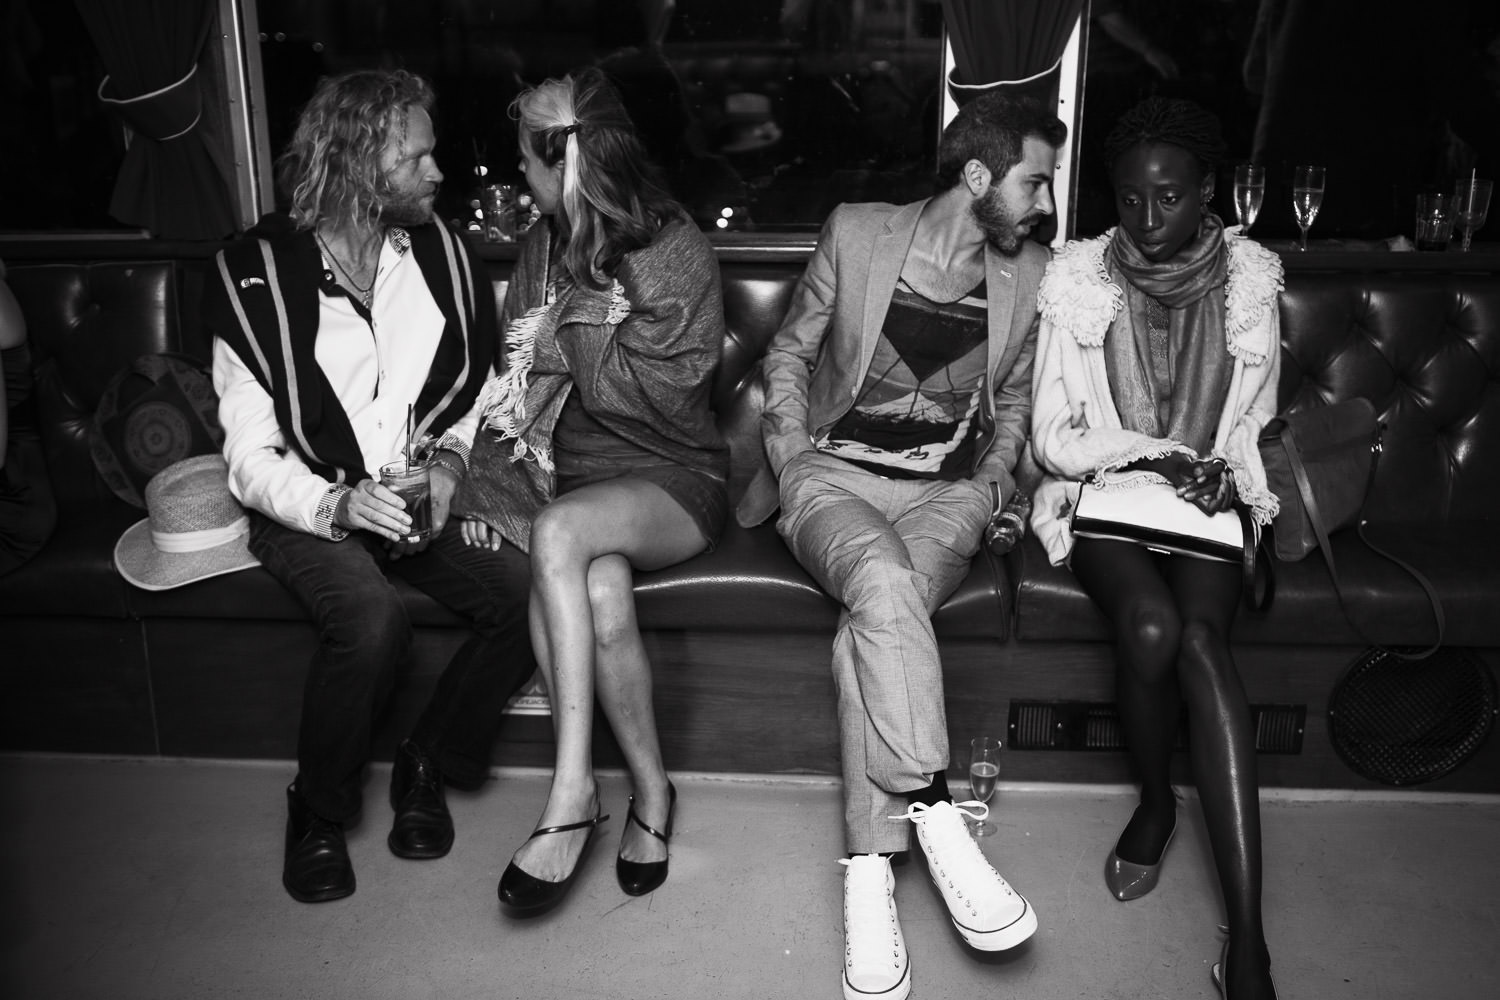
x=1128 y=880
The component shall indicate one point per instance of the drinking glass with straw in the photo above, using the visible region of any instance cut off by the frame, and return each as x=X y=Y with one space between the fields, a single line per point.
x=411 y=479
x=1471 y=203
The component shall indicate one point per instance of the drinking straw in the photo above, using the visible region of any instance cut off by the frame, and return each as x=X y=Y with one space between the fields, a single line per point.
x=409 y=408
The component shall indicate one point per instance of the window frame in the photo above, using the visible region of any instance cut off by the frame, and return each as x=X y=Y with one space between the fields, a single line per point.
x=254 y=186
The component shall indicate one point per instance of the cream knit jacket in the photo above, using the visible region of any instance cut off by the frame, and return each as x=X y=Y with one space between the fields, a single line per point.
x=1075 y=428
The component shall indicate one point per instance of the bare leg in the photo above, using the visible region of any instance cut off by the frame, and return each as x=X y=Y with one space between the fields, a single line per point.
x=637 y=520
x=623 y=680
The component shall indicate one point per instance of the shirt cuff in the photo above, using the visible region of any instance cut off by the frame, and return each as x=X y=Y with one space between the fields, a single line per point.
x=455 y=444
x=328 y=505
x=455 y=465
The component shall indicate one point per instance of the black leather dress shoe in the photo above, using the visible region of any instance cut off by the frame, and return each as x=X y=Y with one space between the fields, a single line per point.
x=640 y=877
x=317 y=865
x=423 y=827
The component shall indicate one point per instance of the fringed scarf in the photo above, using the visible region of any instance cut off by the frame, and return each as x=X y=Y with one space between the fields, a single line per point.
x=522 y=404
x=1191 y=287
x=511 y=467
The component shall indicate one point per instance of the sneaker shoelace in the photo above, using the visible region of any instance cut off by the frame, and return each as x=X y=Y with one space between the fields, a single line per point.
x=963 y=862
x=869 y=924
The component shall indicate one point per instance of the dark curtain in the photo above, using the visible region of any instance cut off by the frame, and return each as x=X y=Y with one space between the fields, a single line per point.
x=171 y=181
x=996 y=41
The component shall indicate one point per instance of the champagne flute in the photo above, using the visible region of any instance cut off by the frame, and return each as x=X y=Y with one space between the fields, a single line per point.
x=1249 y=192
x=984 y=771
x=1307 y=197
x=1471 y=203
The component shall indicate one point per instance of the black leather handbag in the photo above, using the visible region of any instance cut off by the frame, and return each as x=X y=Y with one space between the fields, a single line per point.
x=1321 y=465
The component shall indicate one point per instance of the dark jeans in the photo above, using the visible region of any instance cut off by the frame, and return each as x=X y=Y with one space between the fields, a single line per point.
x=364 y=637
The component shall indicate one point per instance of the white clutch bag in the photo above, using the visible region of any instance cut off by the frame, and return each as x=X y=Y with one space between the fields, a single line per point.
x=1143 y=508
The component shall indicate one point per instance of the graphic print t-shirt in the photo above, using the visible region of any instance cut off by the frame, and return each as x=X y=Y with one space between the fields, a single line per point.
x=915 y=415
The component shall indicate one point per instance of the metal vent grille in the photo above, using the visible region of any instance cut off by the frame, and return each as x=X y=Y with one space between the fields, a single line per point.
x=1095 y=725
x=1279 y=728
x=1032 y=725
x=1403 y=723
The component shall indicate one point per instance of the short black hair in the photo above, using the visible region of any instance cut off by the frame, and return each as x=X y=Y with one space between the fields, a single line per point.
x=1171 y=121
x=991 y=129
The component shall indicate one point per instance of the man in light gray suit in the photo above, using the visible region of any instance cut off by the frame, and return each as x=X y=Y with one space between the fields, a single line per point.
x=898 y=396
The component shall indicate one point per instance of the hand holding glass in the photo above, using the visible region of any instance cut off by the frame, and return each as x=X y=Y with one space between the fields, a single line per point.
x=1307 y=197
x=1471 y=204
x=984 y=771
x=413 y=484
x=1249 y=192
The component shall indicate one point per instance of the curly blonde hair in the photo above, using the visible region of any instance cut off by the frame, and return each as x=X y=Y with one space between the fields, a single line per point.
x=331 y=168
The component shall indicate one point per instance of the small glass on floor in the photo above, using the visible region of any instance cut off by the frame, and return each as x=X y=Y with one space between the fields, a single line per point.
x=984 y=772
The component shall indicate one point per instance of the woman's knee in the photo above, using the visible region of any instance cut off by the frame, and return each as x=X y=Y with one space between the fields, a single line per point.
x=612 y=600
x=555 y=533
x=1151 y=631
x=1206 y=646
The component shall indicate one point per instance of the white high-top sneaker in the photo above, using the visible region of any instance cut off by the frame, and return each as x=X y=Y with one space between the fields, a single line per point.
x=989 y=914
x=875 y=962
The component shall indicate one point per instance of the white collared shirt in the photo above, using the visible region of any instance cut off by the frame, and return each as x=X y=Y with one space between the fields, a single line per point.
x=376 y=367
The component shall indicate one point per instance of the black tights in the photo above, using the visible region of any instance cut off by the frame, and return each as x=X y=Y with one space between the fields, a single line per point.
x=1171 y=617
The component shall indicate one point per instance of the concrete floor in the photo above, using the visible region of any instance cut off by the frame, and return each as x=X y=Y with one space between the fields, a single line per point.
x=154 y=879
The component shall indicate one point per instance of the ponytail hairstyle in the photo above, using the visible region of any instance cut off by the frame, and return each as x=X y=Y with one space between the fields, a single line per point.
x=613 y=200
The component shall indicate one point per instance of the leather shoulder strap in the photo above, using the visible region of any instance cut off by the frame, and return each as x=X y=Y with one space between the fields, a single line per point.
x=1314 y=516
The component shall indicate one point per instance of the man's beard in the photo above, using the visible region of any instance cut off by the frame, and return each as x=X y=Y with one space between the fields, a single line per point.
x=407 y=208
x=999 y=227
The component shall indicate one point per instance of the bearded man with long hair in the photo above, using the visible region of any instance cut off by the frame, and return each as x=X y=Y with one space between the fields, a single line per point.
x=369 y=326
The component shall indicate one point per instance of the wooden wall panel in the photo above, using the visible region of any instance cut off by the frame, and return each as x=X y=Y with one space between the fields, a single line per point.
x=79 y=688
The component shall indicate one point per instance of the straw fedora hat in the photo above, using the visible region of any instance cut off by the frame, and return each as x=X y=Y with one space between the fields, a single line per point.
x=196 y=528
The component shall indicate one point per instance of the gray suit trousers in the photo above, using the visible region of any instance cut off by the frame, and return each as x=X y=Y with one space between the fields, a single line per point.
x=890 y=551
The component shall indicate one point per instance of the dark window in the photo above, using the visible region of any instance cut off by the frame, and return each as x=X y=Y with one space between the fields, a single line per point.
x=776 y=110
x=1391 y=99
x=62 y=149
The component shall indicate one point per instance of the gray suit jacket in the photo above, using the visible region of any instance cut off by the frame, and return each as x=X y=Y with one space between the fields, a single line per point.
x=818 y=360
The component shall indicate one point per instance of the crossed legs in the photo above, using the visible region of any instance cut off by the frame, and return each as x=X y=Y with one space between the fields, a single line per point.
x=583 y=627
x=890 y=551
x=1172 y=618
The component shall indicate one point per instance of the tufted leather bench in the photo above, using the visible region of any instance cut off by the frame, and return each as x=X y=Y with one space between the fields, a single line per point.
x=739 y=637
x=1425 y=348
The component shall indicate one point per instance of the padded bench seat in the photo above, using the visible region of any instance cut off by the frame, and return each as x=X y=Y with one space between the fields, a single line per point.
x=750 y=581
x=75 y=574
x=739 y=638
x=1461 y=558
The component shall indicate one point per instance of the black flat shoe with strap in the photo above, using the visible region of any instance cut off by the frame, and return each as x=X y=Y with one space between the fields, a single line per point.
x=525 y=895
x=640 y=877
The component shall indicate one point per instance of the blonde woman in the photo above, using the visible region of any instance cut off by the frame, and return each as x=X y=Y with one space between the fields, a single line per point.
x=602 y=456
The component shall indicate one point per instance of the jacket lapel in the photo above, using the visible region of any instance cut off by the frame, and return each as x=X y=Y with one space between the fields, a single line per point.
x=887 y=256
x=1000 y=275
